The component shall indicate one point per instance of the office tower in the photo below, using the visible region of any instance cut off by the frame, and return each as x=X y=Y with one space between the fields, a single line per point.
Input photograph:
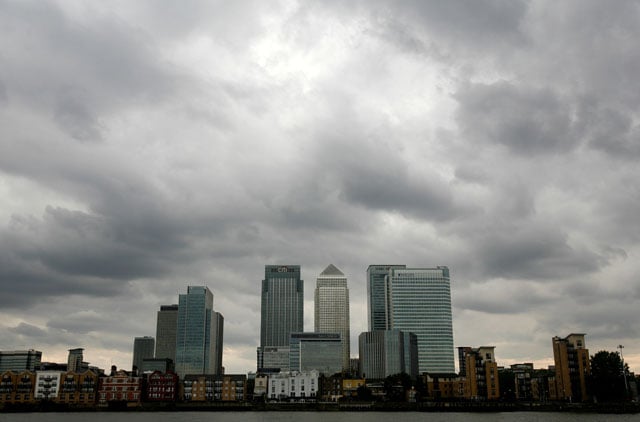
x=199 y=333
x=281 y=310
x=388 y=352
x=20 y=360
x=377 y=296
x=316 y=351
x=74 y=359
x=166 y=327
x=572 y=366
x=417 y=300
x=481 y=373
x=143 y=348
x=332 y=308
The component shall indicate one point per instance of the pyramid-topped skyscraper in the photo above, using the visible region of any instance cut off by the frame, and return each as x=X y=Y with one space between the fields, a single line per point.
x=332 y=308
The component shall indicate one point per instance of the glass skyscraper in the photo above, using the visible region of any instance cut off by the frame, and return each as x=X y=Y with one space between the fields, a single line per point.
x=420 y=303
x=388 y=352
x=199 y=333
x=415 y=300
x=378 y=295
x=282 y=307
x=332 y=308
x=143 y=348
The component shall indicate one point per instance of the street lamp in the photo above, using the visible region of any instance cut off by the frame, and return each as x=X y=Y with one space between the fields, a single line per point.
x=624 y=375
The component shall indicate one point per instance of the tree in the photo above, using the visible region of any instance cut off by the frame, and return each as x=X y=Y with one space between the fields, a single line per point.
x=607 y=382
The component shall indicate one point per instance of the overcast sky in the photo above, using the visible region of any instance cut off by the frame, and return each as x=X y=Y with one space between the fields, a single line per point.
x=147 y=146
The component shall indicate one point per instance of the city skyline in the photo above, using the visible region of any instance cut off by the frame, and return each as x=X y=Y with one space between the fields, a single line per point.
x=169 y=147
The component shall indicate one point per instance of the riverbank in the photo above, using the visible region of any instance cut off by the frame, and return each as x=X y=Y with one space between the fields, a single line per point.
x=485 y=407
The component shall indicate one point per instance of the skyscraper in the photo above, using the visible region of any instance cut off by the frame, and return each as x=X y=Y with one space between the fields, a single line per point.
x=377 y=296
x=332 y=308
x=281 y=309
x=387 y=352
x=166 y=327
x=199 y=333
x=316 y=351
x=143 y=348
x=416 y=300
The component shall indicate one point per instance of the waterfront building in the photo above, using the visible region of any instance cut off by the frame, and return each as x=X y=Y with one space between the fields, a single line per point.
x=316 y=351
x=79 y=389
x=332 y=308
x=388 y=352
x=120 y=387
x=215 y=388
x=444 y=386
x=199 y=333
x=522 y=374
x=481 y=374
x=20 y=360
x=273 y=359
x=17 y=387
x=48 y=385
x=572 y=367
x=166 y=328
x=293 y=386
x=162 y=387
x=282 y=307
x=378 y=305
x=143 y=348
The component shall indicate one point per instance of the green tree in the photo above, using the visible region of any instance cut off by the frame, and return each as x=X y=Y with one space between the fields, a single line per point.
x=607 y=382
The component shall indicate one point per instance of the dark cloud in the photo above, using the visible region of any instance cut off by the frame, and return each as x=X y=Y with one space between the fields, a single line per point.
x=527 y=121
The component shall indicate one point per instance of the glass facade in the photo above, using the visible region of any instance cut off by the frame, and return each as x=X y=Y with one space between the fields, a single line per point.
x=282 y=305
x=378 y=297
x=388 y=352
x=332 y=308
x=20 y=360
x=199 y=333
x=420 y=302
x=143 y=348
x=316 y=351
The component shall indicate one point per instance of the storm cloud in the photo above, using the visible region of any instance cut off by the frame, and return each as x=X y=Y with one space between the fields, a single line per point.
x=146 y=147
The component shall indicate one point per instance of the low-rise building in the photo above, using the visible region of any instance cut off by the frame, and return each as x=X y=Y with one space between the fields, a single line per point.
x=293 y=386
x=481 y=373
x=48 y=385
x=162 y=386
x=79 y=389
x=120 y=388
x=17 y=387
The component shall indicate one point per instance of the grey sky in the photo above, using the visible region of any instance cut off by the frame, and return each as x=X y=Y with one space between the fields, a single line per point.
x=147 y=146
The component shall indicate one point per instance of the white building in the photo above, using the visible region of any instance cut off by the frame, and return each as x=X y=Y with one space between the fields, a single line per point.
x=47 y=385
x=332 y=308
x=293 y=386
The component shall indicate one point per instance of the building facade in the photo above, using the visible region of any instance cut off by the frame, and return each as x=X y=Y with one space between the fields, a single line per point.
x=378 y=296
x=294 y=386
x=481 y=374
x=387 y=352
x=199 y=333
x=331 y=308
x=75 y=360
x=143 y=348
x=20 y=360
x=166 y=328
x=572 y=367
x=162 y=387
x=322 y=352
x=120 y=387
x=282 y=307
x=420 y=303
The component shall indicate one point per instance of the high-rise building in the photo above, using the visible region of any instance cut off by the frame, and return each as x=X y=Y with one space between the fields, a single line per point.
x=282 y=307
x=199 y=333
x=74 y=360
x=572 y=367
x=332 y=308
x=316 y=351
x=388 y=352
x=166 y=327
x=417 y=300
x=143 y=348
x=20 y=360
x=378 y=295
